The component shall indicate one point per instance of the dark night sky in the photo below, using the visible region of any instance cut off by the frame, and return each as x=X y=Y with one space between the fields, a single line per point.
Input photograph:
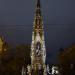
x=16 y=21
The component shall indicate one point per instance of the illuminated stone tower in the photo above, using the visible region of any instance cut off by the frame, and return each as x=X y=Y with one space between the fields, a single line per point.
x=38 y=50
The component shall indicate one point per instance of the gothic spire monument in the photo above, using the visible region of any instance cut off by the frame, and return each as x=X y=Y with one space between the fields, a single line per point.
x=38 y=49
x=38 y=43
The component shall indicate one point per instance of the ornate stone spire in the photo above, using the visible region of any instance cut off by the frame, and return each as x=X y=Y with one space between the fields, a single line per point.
x=38 y=8
x=38 y=51
x=38 y=22
x=38 y=3
x=38 y=36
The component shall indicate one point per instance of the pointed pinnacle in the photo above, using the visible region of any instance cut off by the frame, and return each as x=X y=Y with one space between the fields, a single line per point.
x=38 y=3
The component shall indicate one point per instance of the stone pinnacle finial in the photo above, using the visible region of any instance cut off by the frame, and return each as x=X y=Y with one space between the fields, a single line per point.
x=38 y=3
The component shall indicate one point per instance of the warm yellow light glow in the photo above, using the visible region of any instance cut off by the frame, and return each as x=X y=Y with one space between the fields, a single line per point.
x=1 y=44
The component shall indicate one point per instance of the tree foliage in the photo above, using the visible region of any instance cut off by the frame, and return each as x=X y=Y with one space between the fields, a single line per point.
x=13 y=59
